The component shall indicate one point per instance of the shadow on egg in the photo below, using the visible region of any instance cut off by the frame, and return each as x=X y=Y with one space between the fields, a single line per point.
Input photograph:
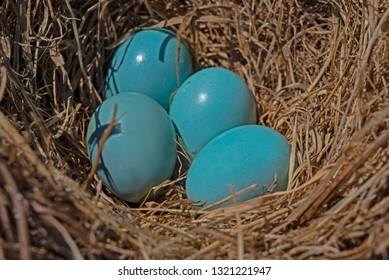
x=162 y=50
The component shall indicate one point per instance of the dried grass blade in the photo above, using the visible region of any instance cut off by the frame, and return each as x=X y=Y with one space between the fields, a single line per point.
x=308 y=209
x=3 y=81
x=204 y=250
x=230 y=197
x=102 y=141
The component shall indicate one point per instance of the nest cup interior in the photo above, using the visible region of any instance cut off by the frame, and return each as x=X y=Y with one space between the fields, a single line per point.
x=318 y=72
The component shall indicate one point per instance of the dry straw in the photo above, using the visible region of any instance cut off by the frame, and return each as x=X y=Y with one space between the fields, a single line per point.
x=319 y=71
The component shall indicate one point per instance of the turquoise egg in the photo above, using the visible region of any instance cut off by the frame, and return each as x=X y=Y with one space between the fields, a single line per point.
x=146 y=63
x=208 y=103
x=239 y=158
x=140 y=151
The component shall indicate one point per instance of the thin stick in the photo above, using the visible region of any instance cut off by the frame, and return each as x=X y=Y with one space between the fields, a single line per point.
x=65 y=235
x=102 y=141
x=4 y=218
x=309 y=208
x=3 y=81
x=204 y=250
x=19 y=212
x=2 y=256
x=230 y=197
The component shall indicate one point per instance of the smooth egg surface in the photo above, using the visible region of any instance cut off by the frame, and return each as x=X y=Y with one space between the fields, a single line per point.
x=208 y=103
x=146 y=63
x=237 y=159
x=140 y=151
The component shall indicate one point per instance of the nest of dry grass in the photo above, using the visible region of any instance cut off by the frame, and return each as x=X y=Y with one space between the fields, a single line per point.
x=319 y=73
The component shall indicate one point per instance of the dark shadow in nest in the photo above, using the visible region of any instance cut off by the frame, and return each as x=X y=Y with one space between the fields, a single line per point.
x=324 y=8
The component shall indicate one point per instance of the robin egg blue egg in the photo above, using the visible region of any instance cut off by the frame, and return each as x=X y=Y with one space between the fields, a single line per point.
x=140 y=151
x=208 y=103
x=237 y=159
x=146 y=63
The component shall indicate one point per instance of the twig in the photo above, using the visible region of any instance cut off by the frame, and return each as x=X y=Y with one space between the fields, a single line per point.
x=239 y=236
x=309 y=208
x=4 y=218
x=19 y=212
x=102 y=141
x=3 y=81
x=66 y=236
x=80 y=52
x=231 y=197
x=2 y=256
x=204 y=250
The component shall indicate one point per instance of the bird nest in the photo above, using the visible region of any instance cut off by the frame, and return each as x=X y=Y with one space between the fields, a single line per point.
x=319 y=74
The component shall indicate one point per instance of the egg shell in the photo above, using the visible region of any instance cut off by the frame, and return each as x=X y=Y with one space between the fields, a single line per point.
x=140 y=151
x=146 y=63
x=239 y=158
x=208 y=103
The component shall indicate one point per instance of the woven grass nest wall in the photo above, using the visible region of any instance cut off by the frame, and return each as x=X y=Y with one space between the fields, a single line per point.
x=319 y=71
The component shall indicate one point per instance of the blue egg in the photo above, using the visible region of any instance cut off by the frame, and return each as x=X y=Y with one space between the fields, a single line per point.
x=140 y=151
x=210 y=102
x=239 y=158
x=146 y=64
